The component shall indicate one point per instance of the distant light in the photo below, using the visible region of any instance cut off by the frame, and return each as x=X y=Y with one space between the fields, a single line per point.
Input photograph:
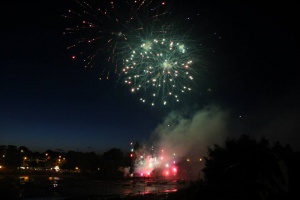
x=56 y=168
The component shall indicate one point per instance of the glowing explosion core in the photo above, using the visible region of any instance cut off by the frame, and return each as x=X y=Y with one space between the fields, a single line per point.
x=154 y=164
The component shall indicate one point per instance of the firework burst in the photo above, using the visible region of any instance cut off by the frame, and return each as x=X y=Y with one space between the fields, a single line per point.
x=147 y=43
x=160 y=69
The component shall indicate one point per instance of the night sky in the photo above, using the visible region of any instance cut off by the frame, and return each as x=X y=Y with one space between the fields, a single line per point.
x=49 y=101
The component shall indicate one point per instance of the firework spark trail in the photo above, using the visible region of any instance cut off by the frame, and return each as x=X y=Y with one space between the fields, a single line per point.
x=101 y=27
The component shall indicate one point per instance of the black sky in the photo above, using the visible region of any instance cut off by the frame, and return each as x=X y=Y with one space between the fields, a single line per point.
x=48 y=100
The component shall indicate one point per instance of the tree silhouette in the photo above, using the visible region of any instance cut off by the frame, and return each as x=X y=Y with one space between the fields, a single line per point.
x=246 y=169
x=112 y=160
x=12 y=157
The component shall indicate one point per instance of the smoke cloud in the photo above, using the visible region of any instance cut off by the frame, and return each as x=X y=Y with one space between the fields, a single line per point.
x=191 y=134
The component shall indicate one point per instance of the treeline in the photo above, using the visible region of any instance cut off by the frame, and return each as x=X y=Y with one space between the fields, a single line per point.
x=111 y=163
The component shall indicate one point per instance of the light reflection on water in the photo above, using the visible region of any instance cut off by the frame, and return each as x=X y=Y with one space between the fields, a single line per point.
x=69 y=187
x=127 y=188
